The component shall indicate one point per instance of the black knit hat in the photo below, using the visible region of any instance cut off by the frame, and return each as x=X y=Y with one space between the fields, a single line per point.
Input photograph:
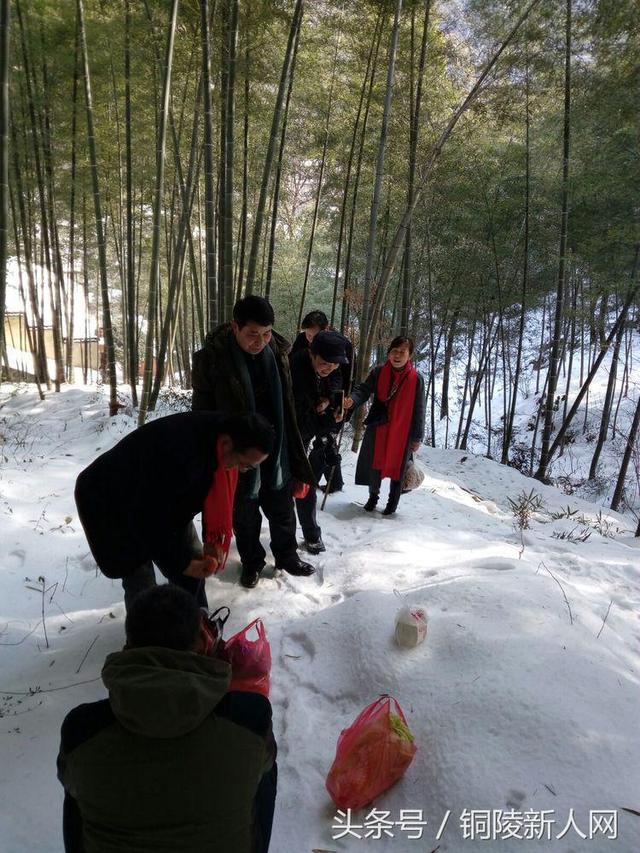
x=330 y=346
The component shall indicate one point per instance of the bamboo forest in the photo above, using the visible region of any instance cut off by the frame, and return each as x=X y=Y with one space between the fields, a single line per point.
x=445 y=192
x=439 y=169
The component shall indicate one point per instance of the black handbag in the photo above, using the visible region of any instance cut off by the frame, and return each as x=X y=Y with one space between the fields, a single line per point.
x=378 y=414
x=379 y=411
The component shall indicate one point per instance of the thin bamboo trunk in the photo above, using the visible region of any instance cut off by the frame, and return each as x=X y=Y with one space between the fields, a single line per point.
x=31 y=335
x=414 y=134
x=45 y=231
x=273 y=135
x=316 y=206
x=485 y=355
x=508 y=430
x=4 y=157
x=628 y=452
x=130 y=260
x=608 y=402
x=365 y=331
x=572 y=344
x=56 y=281
x=72 y=206
x=179 y=255
x=556 y=342
x=465 y=390
x=276 y=185
x=242 y=239
x=42 y=373
x=446 y=369
x=102 y=253
x=227 y=133
x=346 y=298
x=347 y=181
x=154 y=278
x=211 y=288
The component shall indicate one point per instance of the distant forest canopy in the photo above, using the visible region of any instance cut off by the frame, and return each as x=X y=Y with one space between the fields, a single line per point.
x=437 y=167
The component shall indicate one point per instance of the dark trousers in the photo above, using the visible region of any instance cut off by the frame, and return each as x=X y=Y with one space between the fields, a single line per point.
x=323 y=458
x=306 y=508
x=277 y=505
x=395 y=487
x=143 y=577
x=263 y=809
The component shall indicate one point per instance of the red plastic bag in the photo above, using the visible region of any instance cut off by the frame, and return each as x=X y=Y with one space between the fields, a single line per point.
x=250 y=659
x=372 y=754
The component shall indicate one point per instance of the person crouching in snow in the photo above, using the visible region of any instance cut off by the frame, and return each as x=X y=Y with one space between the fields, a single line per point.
x=137 y=501
x=394 y=426
x=173 y=761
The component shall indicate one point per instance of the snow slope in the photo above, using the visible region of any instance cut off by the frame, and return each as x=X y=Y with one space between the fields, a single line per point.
x=524 y=697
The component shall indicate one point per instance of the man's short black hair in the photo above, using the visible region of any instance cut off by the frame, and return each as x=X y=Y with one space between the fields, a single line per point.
x=164 y=615
x=401 y=341
x=315 y=318
x=253 y=309
x=247 y=431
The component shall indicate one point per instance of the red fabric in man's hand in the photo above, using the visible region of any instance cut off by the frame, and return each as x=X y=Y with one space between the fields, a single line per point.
x=217 y=512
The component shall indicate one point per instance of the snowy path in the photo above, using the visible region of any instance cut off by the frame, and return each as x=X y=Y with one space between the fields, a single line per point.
x=513 y=705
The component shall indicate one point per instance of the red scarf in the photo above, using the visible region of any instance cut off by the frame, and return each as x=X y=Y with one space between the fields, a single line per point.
x=217 y=512
x=396 y=388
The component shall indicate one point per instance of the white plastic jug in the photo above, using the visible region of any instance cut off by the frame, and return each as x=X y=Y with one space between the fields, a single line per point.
x=411 y=626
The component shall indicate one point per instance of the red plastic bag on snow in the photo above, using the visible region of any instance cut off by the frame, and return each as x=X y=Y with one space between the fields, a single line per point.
x=372 y=754
x=250 y=659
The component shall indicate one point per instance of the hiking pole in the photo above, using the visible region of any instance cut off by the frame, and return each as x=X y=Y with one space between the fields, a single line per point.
x=333 y=467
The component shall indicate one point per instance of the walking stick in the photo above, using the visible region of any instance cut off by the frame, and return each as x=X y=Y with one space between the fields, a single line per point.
x=334 y=466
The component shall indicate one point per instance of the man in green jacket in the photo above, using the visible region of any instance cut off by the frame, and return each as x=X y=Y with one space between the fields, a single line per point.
x=244 y=368
x=171 y=761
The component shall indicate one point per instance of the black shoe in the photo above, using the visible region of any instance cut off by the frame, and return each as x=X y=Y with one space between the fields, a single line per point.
x=371 y=503
x=297 y=567
x=390 y=508
x=249 y=577
x=316 y=547
x=332 y=490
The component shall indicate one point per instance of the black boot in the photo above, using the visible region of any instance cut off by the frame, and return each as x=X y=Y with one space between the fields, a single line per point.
x=295 y=566
x=371 y=503
x=250 y=577
x=315 y=547
x=395 y=491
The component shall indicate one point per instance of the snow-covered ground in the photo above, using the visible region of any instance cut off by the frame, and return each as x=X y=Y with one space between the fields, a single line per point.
x=523 y=700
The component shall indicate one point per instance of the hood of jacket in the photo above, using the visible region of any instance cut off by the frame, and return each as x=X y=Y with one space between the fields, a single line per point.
x=219 y=339
x=163 y=693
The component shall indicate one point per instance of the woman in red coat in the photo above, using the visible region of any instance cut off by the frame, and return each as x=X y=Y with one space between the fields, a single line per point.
x=394 y=425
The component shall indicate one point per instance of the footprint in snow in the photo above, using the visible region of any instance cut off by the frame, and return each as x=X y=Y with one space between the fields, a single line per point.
x=515 y=799
x=16 y=559
x=497 y=564
x=305 y=643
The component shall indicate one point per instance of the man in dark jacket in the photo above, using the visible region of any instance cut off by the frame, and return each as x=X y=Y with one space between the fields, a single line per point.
x=317 y=391
x=171 y=761
x=137 y=501
x=324 y=457
x=244 y=367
